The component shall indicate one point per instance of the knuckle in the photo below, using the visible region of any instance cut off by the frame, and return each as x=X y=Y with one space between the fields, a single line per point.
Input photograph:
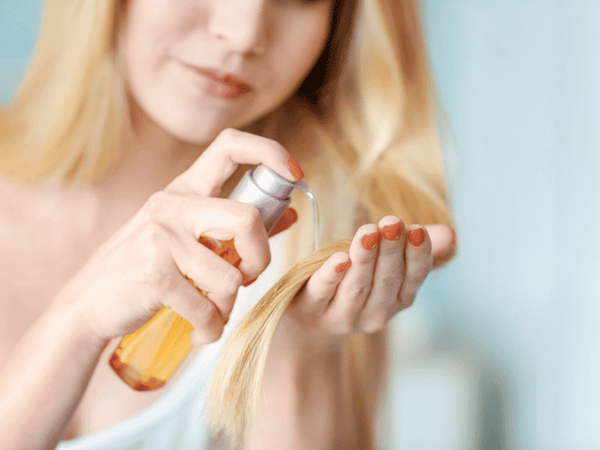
x=168 y=281
x=232 y=279
x=358 y=291
x=153 y=236
x=407 y=300
x=374 y=324
x=250 y=216
x=207 y=315
x=158 y=202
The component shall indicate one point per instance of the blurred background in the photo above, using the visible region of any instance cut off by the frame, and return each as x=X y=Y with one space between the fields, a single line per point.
x=501 y=348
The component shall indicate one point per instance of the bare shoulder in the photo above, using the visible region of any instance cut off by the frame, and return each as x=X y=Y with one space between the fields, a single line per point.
x=15 y=199
x=32 y=254
x=25 y=210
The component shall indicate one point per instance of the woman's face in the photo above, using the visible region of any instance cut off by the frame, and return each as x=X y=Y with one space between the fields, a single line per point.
x=198 y=66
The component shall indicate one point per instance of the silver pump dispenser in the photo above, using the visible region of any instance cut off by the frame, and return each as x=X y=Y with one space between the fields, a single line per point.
x=270 y=193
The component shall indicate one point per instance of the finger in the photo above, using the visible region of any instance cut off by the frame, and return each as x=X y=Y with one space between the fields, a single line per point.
x=442 y=237
x=219 y=219
x=189 y=303
x=388 y=276
x=289 y=217
x=219 y=279
x=321 y=286
x=231 y=148
x=418 y=260
x=250 y=240
x=354 y=289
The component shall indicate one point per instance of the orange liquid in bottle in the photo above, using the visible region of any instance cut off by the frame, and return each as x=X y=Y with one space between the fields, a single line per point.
x=147 y=358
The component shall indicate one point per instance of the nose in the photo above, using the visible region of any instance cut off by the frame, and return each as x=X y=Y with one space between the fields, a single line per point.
x=242 y=24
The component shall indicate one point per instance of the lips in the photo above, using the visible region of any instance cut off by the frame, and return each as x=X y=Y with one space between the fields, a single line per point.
x=226 y=86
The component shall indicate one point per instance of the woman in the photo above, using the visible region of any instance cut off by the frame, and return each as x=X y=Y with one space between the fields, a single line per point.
x=133 y=123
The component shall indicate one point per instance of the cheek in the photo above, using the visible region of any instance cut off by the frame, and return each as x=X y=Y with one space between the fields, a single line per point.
x=142 y=42
x=150 y=32
x=138 y=39
x=304 y=46
x=300 y=46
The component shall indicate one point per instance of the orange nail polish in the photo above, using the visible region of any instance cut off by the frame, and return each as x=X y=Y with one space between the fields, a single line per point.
x=248 y=283
x=453 y=235
x=392 y=232
x=287 y=220
x=416 y=236
x=295 y=169
x=369 y=241
x=343 y=266
x=293 y=215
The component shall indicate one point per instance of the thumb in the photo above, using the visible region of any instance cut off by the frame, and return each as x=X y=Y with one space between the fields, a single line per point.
x=443 y=238
x=289 y=217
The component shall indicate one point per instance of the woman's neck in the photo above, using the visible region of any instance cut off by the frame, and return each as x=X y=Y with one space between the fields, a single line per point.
x=149 y=159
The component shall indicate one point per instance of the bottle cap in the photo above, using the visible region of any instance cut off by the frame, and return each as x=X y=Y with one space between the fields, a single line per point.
x=271 y=183
x=271 y=193
x=266 y=190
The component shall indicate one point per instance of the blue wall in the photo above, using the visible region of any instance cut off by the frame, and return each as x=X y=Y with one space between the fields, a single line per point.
x=520 y=306
x=19 y=21
x=500 y=350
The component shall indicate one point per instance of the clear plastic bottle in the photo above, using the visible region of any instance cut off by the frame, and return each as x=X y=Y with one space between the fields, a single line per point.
x=147 y=358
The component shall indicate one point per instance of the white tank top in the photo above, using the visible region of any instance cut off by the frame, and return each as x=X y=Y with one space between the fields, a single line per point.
x=177 y=420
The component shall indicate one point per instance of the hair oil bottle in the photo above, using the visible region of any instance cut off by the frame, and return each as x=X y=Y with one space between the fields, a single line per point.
x=147 y=358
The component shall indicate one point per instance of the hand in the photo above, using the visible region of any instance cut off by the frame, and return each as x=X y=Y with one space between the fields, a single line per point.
x=362 y=290
x=142 y=267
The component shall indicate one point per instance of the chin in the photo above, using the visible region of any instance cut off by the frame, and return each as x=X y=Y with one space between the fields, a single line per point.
x=190 y=129
x=197 y=136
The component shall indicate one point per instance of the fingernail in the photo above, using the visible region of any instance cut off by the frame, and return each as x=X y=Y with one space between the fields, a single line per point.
x=369 y=241
x=416 y=236
x=453 y=235
x=225 y=321
x=293 y=215
x=343 y=266
x=288 y=219
x=392 y=232
x=248 y=283
x=295 y=169
x=283 y=224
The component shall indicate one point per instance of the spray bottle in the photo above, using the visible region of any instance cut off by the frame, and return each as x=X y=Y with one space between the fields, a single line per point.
x=147 y=358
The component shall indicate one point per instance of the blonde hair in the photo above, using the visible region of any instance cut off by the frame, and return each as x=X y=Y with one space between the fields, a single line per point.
x=376 y=122
x=237 y=378
x=367 y=106
x=70 y=110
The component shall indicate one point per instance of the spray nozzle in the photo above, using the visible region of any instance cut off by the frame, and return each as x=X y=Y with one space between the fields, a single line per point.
x=270 y=193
